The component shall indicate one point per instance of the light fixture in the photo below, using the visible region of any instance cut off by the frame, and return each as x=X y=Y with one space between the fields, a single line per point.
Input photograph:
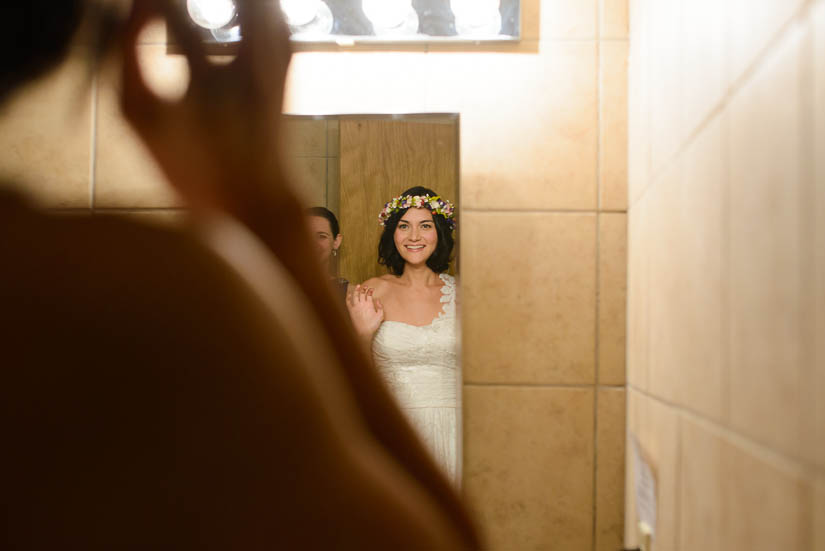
x=477 y=17
x=211 y=14
x=391 y=16
x=299 y=12
x=347 y=22
x=227 y=34
x=307 y=18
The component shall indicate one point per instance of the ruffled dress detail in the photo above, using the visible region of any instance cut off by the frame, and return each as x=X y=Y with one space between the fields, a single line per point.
x=419 y=363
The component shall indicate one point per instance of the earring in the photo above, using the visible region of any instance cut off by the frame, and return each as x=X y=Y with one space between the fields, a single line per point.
x=334 y=252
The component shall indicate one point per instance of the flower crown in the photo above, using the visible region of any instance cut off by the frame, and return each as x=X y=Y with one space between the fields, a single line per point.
x=433 y=202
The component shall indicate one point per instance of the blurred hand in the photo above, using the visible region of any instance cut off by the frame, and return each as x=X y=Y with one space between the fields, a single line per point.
x=219 y=144
x=365 y=310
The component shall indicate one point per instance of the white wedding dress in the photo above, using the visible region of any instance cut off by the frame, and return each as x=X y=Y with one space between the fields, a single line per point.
x=420 y=366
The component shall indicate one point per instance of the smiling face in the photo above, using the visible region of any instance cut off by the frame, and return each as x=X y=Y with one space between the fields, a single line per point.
x=415 y=236
x=321 y=232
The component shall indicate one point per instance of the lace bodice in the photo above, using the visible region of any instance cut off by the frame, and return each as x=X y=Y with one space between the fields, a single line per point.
x=419 y=363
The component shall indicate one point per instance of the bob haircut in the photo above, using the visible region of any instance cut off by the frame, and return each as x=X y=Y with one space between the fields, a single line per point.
x=438 y=262
x=323 y=212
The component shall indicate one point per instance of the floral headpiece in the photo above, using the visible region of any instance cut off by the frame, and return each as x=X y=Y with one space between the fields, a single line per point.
x=433 y=202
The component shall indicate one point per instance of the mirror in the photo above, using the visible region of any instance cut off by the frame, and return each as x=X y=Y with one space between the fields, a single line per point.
x=353 y=165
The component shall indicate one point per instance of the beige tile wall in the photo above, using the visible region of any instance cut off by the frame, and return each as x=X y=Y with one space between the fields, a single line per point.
x=725 y=308
x=543 y=236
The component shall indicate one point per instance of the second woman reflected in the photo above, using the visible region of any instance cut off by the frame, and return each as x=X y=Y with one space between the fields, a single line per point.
x=326 y=234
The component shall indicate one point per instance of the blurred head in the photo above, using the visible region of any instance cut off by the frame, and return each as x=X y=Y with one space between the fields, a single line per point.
x=36 y=39
x=416 y=235
x=325 y=233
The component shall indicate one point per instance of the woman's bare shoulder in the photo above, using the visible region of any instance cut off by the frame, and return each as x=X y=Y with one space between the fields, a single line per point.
x=379 y=282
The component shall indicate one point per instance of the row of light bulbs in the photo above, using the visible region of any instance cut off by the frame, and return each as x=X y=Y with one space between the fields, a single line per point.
x=314 y=18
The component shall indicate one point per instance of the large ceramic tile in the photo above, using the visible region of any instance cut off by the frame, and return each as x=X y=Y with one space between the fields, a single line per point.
x=638 y=294
x=613 y=19
x=819 y=232
x=612 y=298
x=528 y=466
x=631 y=520
x=45 y=137
x=305 y=137
x=699 y=217
x=550 y=19
x=666 y=83
x=658 y=439
x=663 y=430
x=703 y=514
x=752 y=25
x=638 y=101
x=613 y=132
x=770 y=504
x=664 y=285
x=765 y=255
x=610 y=469
x=126 y=176
x=356 y=82
x=528 y=292
x=735 y=496
x=528 y=125
x=704 y=58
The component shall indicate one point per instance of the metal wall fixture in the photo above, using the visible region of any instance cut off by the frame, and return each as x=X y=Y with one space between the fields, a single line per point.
x=347 y=22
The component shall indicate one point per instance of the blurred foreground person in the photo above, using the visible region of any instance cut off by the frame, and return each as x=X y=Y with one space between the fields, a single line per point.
x=163 y=390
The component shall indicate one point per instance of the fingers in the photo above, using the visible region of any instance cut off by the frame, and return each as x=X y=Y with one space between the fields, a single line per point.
x=185 y=35
x=352 y=296
x=361 y=295
x=265 y=44
x=139 y=104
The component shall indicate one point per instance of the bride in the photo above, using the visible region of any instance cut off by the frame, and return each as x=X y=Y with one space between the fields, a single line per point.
x=408 y=317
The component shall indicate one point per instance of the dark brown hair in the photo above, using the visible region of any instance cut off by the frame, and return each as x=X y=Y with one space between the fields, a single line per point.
x=438 y=262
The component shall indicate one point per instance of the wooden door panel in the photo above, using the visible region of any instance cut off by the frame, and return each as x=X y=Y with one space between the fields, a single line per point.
x=379 y=160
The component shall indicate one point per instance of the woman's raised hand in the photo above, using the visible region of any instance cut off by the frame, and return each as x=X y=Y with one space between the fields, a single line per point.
x=365 y=310
x=219 y=144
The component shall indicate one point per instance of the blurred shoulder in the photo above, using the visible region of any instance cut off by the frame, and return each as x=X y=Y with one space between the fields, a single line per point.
x=138 y=284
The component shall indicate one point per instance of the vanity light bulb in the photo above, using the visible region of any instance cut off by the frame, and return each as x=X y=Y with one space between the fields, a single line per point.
x=211 y=14
x=474 y=10
x=476 y=16
x=299 y=12
x=386 y=14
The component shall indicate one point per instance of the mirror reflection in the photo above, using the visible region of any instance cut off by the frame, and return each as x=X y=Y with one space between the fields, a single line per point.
x=383 y=218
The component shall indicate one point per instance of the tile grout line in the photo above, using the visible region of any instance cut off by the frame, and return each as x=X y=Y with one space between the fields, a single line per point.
x=801 y=466
x=93 y=144
x=806 y=227
x=735 y=86
x=725 y=313
x=599 y=78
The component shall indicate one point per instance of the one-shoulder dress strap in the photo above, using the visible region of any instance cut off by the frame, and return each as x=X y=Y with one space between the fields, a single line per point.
x=447 y=296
